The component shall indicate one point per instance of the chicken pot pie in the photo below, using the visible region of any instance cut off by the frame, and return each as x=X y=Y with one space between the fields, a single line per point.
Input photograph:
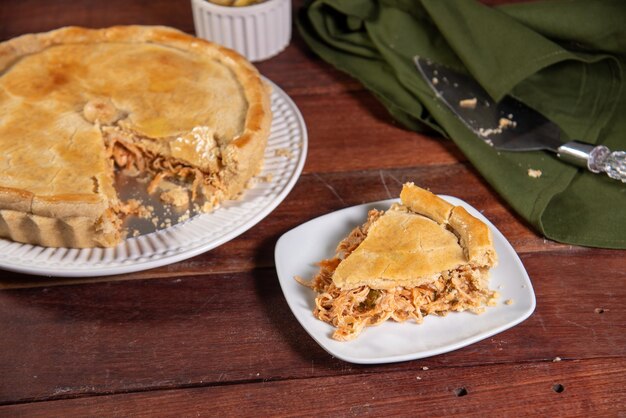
x=75 y=102
x=423 y=256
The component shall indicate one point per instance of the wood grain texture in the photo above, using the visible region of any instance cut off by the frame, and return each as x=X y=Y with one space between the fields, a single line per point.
x=566 y=388
x=29 y=16
x=213 y=334
x=165 y=333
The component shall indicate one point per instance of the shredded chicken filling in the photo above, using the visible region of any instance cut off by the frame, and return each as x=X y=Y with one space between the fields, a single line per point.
x=130 y=157
x=350 y=311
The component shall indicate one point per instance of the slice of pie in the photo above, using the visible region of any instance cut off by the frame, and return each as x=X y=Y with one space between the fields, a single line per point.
x=423 y=256
x=74 y=102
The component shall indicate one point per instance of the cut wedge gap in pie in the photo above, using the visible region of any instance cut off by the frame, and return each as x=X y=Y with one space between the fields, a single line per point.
x=76 y=102
x=422 y=256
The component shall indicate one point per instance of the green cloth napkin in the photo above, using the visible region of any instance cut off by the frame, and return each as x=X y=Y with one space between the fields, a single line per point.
x=565 y=58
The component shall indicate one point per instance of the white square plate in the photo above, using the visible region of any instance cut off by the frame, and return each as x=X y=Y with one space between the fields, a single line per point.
x=298 y=251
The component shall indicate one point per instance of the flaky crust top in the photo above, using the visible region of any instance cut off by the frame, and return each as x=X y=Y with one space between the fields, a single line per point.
x=474 y=235
x=160 y=83
x=415 y=243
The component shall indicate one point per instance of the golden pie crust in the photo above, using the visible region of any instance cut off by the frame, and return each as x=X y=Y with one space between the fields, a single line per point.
x=421 y=257
x=154 y=99
x=414 y=243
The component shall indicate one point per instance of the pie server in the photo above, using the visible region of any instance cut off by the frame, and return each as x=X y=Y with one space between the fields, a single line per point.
x=510 y=125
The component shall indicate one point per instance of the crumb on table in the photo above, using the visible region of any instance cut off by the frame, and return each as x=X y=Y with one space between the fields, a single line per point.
x=534 y=173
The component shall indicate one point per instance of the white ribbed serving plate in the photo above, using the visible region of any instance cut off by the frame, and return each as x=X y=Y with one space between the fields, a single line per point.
x=194 y=236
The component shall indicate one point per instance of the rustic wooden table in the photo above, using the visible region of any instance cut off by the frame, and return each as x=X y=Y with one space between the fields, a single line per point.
x=213 y=334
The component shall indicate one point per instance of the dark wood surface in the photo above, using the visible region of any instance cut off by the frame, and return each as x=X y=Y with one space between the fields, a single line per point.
x=213 y=334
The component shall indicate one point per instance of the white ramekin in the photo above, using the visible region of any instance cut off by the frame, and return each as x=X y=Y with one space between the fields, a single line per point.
x=257 y=32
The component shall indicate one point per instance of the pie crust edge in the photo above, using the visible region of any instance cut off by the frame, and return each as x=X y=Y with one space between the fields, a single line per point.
x=82 y=220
